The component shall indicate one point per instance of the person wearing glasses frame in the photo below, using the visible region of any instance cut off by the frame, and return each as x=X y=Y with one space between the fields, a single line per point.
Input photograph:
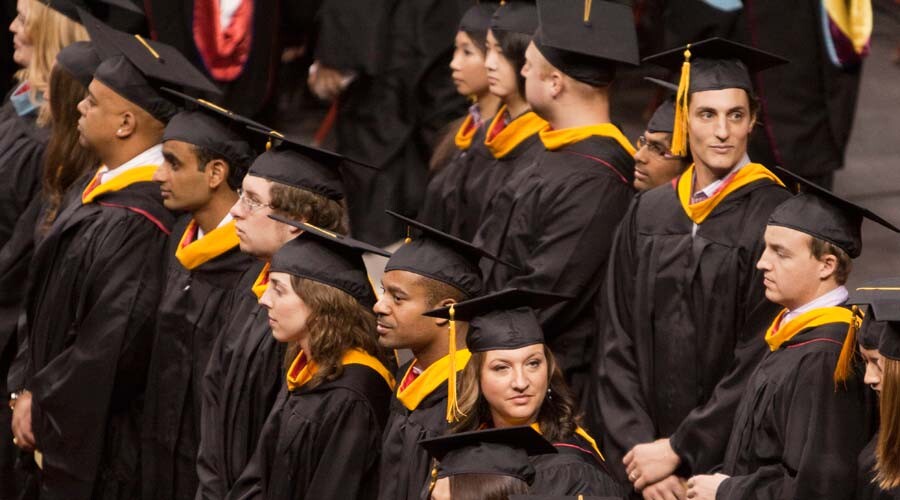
x=654 y=162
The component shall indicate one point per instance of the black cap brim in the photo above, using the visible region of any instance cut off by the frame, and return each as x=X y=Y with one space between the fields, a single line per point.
x=717 y=48
x=521 y=437
x=508 y=299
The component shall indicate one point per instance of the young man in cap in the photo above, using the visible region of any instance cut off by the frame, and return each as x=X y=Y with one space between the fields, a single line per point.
x=430 y=271
x=806 y=413
x=245 y=368
x=556 y=219
x=684 y=303
x=96 y=280
x=207 y=151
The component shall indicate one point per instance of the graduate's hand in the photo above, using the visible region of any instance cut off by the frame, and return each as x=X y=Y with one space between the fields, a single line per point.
x=704 y=487
x=326 y=83
x=21 y=422
x=670 y=488
x=649 y=463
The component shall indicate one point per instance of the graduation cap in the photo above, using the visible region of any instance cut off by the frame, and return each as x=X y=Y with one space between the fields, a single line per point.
x=329 y=258
x=136 y=68
x=515 y=17
x=822 y=214
x=501 y=452
x=80 y=60
x=501 y=320
x=288 y=161
x=663 y=118
x=477 y=19
x=214 y=128
x=881 y=328
x=69 y=8
x=587 y=40
x=711 y=64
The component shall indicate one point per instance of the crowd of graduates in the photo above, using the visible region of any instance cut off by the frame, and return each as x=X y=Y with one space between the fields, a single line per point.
x=186 y=308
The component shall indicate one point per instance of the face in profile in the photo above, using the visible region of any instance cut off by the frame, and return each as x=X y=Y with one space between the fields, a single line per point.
x=654 y=163
x=467 y=66
x=22 y=44
x=874 y=368
x=719 y=125
x=183 y=186
x=258 y=234
x=791 y=273
x=501 y=74
x=288 y=313
x=514 y=383
x=398 y=312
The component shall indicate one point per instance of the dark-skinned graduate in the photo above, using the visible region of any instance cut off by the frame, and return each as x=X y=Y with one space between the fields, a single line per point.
x=431 y=269
x=246 y=366
x=685 y=304
x=322 y=439
x=555 y=220
x=95 y=282
x=206 y=151
x=805 y=414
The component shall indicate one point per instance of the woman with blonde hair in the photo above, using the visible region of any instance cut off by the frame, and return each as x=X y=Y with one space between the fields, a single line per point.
x=512 y=379
x=322 y=439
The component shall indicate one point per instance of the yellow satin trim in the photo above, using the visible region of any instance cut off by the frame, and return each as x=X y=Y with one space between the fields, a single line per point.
x=555 y=139
x=262 y=282
x=854 y=19
x=581 y=432
x=430 y=379
x=816 y=317
x=514 y=133
x=465 y=134
x=121 y=181
x=351 y=357
x=210 y=246
x=698 y=212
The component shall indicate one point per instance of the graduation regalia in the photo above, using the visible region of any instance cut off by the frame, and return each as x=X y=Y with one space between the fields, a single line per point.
x=323 y=437
x=22 y=145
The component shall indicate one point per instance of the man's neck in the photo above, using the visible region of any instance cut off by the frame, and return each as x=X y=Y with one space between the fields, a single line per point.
x=704 y=176
x=825 y=287
x=439 y=348
x=124 y=151
x=210 y=215
x=577 y=112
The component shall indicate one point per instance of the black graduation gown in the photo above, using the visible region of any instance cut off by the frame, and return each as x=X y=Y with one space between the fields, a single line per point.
x=865 y=474
x=240 y=386
x=445 y=201
x=393 y=119
x=191 y=315
x=321 y=443
x=685 y=319
x=810 y=86
x=556 y=221
x=22 y=145
x=92 y=296
x=406 y=466
x=575 y=469
x=795 y=435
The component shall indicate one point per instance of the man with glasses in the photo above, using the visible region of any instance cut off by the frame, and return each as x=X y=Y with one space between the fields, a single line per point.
x=686 y=305
x=654 y=163
x=245 y=368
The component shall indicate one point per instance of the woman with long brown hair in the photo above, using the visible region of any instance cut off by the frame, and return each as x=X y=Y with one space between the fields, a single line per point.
x=512 y=379
x=322 y=439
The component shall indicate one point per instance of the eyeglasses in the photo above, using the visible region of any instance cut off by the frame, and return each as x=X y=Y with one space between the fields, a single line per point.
x=655 y=148
x=250 y=205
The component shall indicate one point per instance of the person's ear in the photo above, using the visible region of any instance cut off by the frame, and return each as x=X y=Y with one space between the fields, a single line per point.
x=442 y=322
x=216 y=173
x=557 y=83
x=828 y=265
x=127 y=125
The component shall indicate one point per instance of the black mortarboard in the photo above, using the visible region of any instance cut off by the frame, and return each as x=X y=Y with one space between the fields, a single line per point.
x=501 y=320
x=711 y=64
x=663 y=118
x=214 y=128
x=586 y=40
x=883 y=317
x=518 y=16
x=441 y=257
x=824 y=215
x=100 y=8
x=478 y=18
x=495 y=451
x=327 y=258
x=80 y=60
x=288 y=161
x=136 y=68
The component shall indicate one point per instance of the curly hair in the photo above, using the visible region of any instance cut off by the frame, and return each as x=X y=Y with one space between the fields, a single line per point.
x=337 y=324
x=307 y=206
x=557 y=417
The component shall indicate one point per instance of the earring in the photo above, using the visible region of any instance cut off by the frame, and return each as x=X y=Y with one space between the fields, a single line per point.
x=550 y=394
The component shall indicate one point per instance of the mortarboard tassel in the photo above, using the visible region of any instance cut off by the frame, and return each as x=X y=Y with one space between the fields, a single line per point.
x=842 y=370
x=679 y=131
x=146 y=45
x=587 y=12
x=408 y=239
x=453 y=411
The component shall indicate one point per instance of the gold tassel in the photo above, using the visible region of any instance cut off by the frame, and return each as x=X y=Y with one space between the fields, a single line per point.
x=845 y=361
x=679 y=131
x=587 y=11
x=269 y=144
x=408 y=239
x=147 y=46
x=453 y=411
